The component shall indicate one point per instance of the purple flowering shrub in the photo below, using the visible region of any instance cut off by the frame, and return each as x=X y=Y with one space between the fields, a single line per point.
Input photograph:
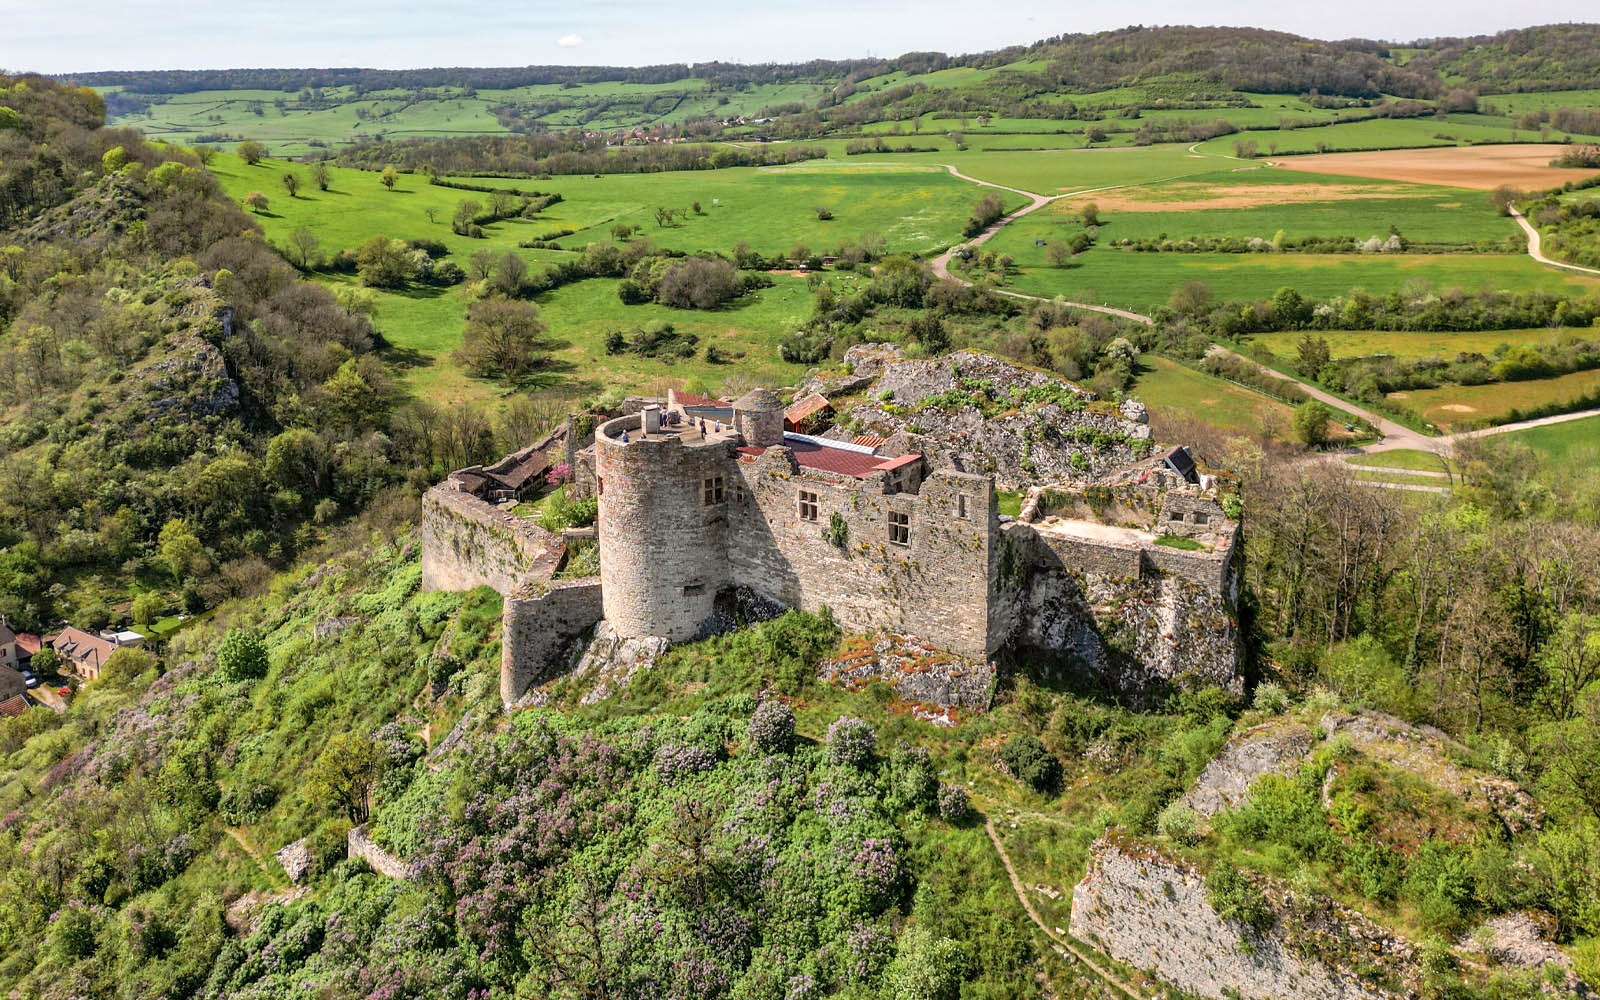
x=675 y=762
x=953 y=804
x=772 y=727
x=851 y=742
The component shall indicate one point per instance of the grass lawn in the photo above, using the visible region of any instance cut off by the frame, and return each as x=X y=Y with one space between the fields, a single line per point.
x=1407 y=344
x=1374 y=133
x=1057 y=171
x=1569 y=443
x=1449 y=405
x=1176 y=394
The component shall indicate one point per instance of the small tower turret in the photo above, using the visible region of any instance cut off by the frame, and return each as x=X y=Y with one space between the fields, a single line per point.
x=758 y=417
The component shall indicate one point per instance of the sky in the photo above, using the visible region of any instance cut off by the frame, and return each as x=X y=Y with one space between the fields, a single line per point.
x=53 y=36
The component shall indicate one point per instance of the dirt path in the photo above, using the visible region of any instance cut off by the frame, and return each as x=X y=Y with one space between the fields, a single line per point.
x=1536 y=245
x=273 y=873
x=1061 y=942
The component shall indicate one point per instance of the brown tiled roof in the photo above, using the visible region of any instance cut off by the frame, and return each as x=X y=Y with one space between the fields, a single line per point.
x=28 y=643
x=800 y=409
x=13 y=706
x=515 y=473
x=6 y=635
x=80 y=647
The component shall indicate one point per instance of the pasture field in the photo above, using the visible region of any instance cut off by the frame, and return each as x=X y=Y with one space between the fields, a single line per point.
x=1175 y=393
x=1260 y=203
x=914 y=208
x=1408 y=344
x=1143 y=281
x=1526 y=165
x=1519 y=104
x=1569 y=443
x=1054 y=172
x=1370 y=133
x=1450 y=405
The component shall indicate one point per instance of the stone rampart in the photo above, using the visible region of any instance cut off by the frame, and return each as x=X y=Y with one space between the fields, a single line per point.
x=1151 y=911
x=359 y=845
x=468 y=543
x=541 y=628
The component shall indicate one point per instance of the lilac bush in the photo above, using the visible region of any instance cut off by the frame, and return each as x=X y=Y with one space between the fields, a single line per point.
x=953 y=804
x=772 y=728
x=675 y=762
x=851 y=742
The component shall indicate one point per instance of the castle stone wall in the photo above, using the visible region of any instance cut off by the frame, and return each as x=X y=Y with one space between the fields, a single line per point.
x=539 y=630
x=661 y=546
x=938 y=586
x=468 y=543
x=358 y=845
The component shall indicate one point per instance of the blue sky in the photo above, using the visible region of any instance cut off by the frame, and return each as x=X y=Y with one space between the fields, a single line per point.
x=54 y=36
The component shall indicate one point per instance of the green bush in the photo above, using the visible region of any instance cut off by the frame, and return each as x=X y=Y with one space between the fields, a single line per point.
x=242 y=656
x=1179 y=822
x=1236 y=898
x=1030 y=763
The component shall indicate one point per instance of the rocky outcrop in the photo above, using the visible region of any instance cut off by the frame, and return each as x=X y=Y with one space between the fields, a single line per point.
x=1426 y=752
x=937 y=683
x=610 y=661
x=190 y=381
x=1020 y=439
x=1151 y=911
x=295 y=860
x=329 y=628
x=1275 y=747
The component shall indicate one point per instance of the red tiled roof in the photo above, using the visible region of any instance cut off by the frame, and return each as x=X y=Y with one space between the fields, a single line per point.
x=895 y=463
x=80 y=647
x=690 y=399
x=868 y=440
x=28 y=643
x=13 y=706
x=803 y=408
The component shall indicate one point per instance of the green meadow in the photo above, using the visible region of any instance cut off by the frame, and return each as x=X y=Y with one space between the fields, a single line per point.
x=1571 y=442
x=1146 y=280
x=1373 y=133
x=1448 y=406
x=1174 y=392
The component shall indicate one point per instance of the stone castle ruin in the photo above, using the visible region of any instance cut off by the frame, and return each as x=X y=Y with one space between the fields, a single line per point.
x=714 y=513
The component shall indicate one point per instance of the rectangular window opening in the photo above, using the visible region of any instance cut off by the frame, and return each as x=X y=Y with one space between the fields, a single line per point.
x=899 y=528
x=961 y=506
x=694 y=589
x=1202 y=519
x=712 y=490
x=808 y=505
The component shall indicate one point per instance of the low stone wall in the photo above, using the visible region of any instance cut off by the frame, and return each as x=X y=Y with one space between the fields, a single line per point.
x=359 y=845
x=468 y=543
x=1151 y=912
x=540 y=628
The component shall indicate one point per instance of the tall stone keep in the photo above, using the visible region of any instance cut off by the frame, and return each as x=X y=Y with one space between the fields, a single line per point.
x=663 y=515
x=758 y=417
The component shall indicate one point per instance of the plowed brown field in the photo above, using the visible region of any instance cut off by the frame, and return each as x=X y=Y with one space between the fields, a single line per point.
x=1483 y=167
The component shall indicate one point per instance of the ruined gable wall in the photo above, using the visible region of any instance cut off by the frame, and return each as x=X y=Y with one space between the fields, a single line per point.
x=468 y=543
x=539 y=628
x=938 y=587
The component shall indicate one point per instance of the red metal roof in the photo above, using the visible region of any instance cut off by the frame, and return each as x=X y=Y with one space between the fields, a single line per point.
x=836 y=460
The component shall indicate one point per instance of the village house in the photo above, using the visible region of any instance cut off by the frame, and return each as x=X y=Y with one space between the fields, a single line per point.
x=13 y=706
x=83 y=652
x=10 y=656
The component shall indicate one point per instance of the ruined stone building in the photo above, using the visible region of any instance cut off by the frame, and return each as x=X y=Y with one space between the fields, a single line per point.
x=711 y=512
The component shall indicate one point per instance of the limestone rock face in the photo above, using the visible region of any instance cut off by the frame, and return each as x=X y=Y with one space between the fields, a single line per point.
x=295 y=859
x=611 y=660
x=1151 y=911
x=1135 y=411
x=1275 y=747
x=934 y=681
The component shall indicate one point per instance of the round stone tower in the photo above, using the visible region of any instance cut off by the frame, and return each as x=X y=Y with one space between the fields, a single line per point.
x=758 y=417
x=662 y=495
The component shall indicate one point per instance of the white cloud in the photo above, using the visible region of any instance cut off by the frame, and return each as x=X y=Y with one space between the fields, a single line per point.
x=569 y=41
